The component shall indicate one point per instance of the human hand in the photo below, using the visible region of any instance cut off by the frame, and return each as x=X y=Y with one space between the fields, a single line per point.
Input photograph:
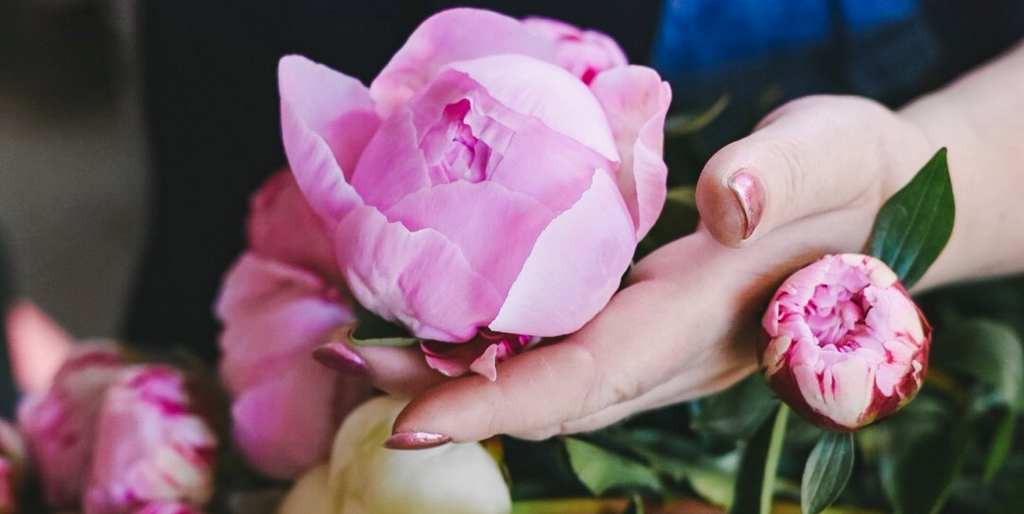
x=808 y=181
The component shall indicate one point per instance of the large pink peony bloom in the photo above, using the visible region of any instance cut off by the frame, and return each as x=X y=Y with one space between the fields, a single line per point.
x=845 y=344
x=150 y=446
x=491 y=177
x=278 y=303
x=59 y=425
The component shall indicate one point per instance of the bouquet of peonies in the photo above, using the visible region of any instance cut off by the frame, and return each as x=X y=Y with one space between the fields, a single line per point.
x=484 y=195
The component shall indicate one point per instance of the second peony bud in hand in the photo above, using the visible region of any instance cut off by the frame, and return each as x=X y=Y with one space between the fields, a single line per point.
x=843 y=343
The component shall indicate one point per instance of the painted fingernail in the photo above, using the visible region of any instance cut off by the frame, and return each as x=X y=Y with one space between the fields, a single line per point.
x=415 y=441
x=341 y=358
x=750 y=193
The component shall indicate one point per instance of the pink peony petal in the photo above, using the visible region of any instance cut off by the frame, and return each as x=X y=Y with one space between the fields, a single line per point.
x=326 y=119
x=575 y=266
x=584 y=53
x=494 y=229
x=552 y=95
x=285 y=424
x=636 y=102
x=59 y=425
x=282 y=226
x=512 y=148
x=393 y=165
x=451 y=36
x=37 y=345
x=149 y=445
x=419 y=279
x=270 y=311
x=480 y=355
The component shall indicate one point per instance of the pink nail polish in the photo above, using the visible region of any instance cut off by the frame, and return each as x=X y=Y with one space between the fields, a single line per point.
x=415 y=441
x=750 y=193
x=340 y=358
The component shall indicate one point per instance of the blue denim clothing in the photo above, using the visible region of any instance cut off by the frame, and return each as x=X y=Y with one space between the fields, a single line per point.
x=703 y=34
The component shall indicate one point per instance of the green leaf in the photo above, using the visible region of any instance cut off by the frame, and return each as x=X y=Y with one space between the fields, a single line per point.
x=1000 y=446
x=925 y=455
x=736 y=412
x=601 y=470
x=373 y=330
x=755 y=482
x=827 y=471
x=914 y=225
x=689 y=123
x=986 y=351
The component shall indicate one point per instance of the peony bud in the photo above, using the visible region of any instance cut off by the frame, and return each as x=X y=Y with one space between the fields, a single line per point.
x=365 y=478
x=59 y=425
x=149 y=446
x=843 y=343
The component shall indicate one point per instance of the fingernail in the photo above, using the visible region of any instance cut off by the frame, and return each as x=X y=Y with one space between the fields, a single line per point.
x=750 y=193
x=340 y=358
x=415 y=441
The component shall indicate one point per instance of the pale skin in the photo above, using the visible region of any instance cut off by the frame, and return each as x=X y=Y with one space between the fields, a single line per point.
x=686 y=324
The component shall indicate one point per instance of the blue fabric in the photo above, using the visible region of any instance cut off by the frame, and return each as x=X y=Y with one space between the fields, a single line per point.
x=699 y=35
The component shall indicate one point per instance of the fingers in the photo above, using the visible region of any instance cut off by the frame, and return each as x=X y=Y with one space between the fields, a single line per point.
x=811 y=156
x=400 y=372
x=654 y=332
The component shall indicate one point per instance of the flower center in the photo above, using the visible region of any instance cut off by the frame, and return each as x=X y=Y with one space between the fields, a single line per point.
x=457 y=154
x=836 y=315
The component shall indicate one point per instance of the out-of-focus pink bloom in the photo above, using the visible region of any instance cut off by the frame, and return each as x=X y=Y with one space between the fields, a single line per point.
x=282 y=227
x=167 y=508
x=843 y=342
x=59 y=425
x=150 y=446
x=286 y=405
x=38 y=346
x=585 y=53
x=478 y=184
x=278 y=303
x=12 y=467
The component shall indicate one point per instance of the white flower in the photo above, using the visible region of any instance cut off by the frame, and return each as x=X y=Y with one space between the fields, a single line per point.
x=365 y=478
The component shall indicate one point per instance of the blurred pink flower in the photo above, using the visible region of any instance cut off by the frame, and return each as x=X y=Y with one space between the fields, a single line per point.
x=59 y=425
x=150 y=446
x=278 y=303
x=844 y=344
x=478 y=184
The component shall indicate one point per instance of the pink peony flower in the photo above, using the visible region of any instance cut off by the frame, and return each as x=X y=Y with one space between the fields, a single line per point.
x=278 y=303
x=150 y=446
x=59 y=425
x=843 y=342
x=478 y=184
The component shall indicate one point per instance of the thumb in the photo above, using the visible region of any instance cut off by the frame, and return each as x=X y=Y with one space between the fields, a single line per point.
x=810 y=156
